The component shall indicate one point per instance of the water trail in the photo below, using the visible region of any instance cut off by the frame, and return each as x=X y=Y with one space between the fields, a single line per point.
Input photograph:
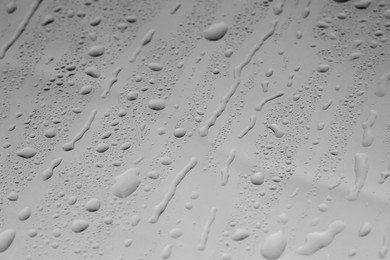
x=203 y=131
x=160 y=208
x=22 y=26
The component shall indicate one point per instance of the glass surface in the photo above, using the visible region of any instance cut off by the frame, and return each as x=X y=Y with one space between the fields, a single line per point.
x=205 y=129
